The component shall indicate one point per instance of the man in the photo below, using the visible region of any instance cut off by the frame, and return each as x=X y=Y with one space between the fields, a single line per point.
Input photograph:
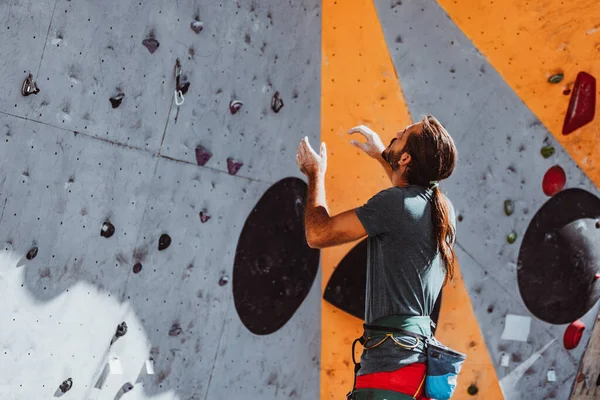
x=411 y=230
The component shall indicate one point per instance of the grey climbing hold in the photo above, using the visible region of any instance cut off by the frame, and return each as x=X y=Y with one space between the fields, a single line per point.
x=276 y=102
x=224 y=280
x=234 y=106
x=204 y=216
x=202 y=155
x=509 y=207
x=556 y=78
x=29 y=86
x=137 y=268
x=121 y=329
x=66 y=385
x=115 y=101
x=197 y=25
x=151 y=44
x=164 y=241
x=175 y=330
x=32 y=253
x=127 y=387
x=511 y=237
x=107 y=230
x=547 y=151
x=233 y=166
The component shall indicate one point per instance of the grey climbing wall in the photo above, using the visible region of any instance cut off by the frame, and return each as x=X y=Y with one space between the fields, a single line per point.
x=107 y=160
x=499 y=142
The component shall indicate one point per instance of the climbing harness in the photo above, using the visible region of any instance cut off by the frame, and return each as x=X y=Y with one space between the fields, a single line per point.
x=443 y=364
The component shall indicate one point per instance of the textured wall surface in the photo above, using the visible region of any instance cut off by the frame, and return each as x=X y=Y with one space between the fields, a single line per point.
x=73 y=167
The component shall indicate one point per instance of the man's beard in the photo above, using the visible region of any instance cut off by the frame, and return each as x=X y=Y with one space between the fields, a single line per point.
x=391 y=158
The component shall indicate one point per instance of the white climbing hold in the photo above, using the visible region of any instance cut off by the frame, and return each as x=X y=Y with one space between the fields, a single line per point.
x=115 y=367
x=551 y=375
x=150 y=367
x=505 y=360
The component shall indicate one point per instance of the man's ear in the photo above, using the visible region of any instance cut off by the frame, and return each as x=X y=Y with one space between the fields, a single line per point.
x=404 y=159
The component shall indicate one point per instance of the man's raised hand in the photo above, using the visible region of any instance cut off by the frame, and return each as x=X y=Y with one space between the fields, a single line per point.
x=373 y=147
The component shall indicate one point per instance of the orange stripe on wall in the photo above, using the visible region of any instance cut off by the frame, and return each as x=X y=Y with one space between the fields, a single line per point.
x=359 y=86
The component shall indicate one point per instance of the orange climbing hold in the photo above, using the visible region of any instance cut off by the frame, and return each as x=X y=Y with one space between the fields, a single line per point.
x=582 y=105
x=573 y=334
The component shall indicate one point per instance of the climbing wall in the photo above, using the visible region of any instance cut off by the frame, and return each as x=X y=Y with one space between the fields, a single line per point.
x=151 y=233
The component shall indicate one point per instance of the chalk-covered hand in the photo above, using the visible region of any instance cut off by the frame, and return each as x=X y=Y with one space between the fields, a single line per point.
x=309 y=162
x=373 y=147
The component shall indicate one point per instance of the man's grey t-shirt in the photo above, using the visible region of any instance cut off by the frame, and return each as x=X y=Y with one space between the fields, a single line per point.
x=404 y=270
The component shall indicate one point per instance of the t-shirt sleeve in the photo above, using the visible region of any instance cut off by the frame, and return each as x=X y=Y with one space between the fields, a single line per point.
x=379 y=214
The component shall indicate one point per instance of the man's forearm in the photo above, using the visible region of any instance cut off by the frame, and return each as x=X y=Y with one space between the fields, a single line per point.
x=316 y=214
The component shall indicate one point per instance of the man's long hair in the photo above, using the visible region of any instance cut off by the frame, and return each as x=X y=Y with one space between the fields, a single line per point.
x=433 y=158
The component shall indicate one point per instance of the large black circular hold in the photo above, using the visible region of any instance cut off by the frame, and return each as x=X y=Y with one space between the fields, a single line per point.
x=560 y=256
x=66 y=385
x=274 y=268
x=107 y=230
x=137 y=268
x=121 y=329
x=164 y=241
x=32 y=253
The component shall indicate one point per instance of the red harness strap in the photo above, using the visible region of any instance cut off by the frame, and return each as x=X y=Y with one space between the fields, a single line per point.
x=408 y=380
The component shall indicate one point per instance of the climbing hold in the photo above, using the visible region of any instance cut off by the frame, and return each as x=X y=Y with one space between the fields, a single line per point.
x=116 y=100
x=509 y=207
x=137 y=268
x=567 y=92
x=233 y=166
x=164 y=241
x=151 y=44
x=582 y=105
x=202 y=155
x=573 y=334
x=556 y=78
x=223 y=281
x=107 y=230
x=185 y=86
x=276 y=102
x=596 y=276
x=204 y=216
x=32 y=253
x=197 y=25
x=175 y=330
x=66 y=385
x=235 y=105
x=511 y=237
x=121 y=329
x=598 y=381
x=29 y=86
x=597 y=224
x=554 y=181
x=127 y=387
x=472 y=390
x=547 y=151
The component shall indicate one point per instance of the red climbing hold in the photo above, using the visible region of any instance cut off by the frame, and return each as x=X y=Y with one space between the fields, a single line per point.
x=202 y=155
x=233 y=166
x=582 y=105
x=573 y=334
x=554 y=181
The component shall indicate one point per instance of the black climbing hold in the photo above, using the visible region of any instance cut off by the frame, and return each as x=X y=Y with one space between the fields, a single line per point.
x=276 y=102
x=556 y=78
x=547 y=151
x=107 y=230
x=32 y=253
x=204 y=216
x=472 y=390
x=121 y=329
x=151 y=44
x=274 y=268
x=175 y=330
x=29 y=86
x=202 y=155
x=567 y=92
x=164 y=241
x=509 y=207
x=137 y=268
x=185 y=86
x=233 y=166
x=197 y=26
x=559 y=255
x=224 y=280
x=127 y=387
x=66 y=385
x=598 y=381
x=116 y=100
x=234 y=106
x=598 y=224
